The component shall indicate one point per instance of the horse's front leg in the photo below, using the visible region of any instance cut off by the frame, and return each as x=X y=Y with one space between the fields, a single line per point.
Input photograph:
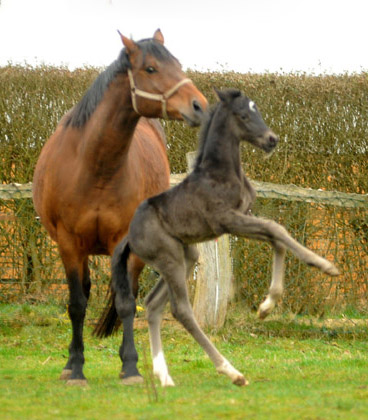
x=79 y=287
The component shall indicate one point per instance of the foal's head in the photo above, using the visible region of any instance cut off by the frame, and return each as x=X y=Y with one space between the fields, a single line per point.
x=159 y=86
x=246 y=121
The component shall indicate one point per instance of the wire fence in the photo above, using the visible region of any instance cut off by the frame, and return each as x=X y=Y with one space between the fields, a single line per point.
x=323 y=130
x=333 y=224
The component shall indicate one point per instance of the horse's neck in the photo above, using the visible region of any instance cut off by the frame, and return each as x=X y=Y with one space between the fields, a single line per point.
x=109 y=132
x=221 y=152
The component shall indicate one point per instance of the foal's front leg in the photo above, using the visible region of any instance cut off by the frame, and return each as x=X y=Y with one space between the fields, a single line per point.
x=252 y=227
x=277 y=283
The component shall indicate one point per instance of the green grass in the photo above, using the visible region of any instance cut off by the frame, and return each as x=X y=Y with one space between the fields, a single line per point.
x=298 y=368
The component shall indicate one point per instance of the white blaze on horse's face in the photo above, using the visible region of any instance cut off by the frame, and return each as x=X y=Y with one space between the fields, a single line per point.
x=252 y=106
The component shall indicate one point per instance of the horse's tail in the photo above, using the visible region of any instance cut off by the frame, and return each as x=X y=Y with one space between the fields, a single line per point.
x=109 y=321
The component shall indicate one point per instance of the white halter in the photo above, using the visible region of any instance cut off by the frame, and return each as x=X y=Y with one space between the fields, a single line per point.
x=162 y=97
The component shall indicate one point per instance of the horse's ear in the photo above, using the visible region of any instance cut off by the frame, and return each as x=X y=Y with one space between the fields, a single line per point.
x=129 y=44
x=158 y=36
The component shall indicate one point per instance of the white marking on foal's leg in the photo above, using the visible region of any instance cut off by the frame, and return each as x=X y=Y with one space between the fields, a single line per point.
x=226 y=368
x=161 y=371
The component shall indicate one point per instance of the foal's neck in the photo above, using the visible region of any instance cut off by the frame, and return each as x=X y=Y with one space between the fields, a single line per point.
x=221 y=152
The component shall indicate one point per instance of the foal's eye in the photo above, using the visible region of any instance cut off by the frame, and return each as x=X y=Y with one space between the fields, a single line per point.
x=150 y=70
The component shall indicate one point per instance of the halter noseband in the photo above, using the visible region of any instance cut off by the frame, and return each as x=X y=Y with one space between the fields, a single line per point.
x=162 y=97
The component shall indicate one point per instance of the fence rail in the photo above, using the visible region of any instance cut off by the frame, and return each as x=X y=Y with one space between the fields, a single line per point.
x=264 y=190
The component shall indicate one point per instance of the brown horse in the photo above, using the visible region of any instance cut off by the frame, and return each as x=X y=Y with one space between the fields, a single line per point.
x=100 y=163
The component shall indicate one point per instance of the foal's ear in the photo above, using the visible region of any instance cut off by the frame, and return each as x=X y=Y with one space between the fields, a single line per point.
x=227 y=95
x=129 y=44
x=220 y=94
x=158 y=36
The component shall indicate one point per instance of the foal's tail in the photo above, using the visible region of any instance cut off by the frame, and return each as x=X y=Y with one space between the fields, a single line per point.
x=109 y=321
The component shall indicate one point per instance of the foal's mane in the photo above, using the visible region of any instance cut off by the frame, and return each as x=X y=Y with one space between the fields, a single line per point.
x=203 y=134
x=83 y=110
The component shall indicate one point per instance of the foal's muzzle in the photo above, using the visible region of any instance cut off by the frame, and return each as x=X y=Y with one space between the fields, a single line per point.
x=270 y=141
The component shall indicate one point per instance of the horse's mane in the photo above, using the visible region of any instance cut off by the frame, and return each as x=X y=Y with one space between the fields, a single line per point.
x=81 y=112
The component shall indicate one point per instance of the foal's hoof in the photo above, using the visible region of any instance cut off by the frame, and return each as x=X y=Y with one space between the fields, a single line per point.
x=262 y=314
x=77 y=382
x=332 y=270
x=240 y=381
x=265 y=308
x=65 y=374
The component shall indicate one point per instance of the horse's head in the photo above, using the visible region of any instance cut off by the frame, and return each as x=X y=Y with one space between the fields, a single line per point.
x=158 y=85
x=247 y=121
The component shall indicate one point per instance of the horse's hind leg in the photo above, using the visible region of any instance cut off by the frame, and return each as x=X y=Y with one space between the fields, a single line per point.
x=79 y=286
x=128 y=353
x=277 y=283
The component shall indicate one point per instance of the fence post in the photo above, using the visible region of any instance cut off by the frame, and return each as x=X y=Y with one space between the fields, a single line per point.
x=213 y=277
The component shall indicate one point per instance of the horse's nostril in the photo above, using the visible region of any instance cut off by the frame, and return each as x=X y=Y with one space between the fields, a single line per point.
x=197 y=106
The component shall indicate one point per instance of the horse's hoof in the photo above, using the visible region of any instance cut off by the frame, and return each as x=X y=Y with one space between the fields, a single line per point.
x=65 y=374
x=132 y=380
x=77 y=382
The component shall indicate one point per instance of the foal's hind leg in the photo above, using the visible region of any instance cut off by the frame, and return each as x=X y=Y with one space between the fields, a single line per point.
x=174 y=273
x=155 y=303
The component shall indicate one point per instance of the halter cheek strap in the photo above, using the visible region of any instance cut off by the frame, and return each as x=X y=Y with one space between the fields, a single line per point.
x=162 y=97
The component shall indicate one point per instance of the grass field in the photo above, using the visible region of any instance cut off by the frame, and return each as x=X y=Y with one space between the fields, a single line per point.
x=298 y=368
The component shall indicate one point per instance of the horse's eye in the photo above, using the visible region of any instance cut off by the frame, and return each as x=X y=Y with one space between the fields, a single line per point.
x=150 y=70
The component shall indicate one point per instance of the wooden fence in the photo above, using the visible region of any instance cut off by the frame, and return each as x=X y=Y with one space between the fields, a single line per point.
x=213 y=274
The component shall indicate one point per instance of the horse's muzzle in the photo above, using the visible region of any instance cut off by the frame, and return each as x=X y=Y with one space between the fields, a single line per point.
x=196 y=116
